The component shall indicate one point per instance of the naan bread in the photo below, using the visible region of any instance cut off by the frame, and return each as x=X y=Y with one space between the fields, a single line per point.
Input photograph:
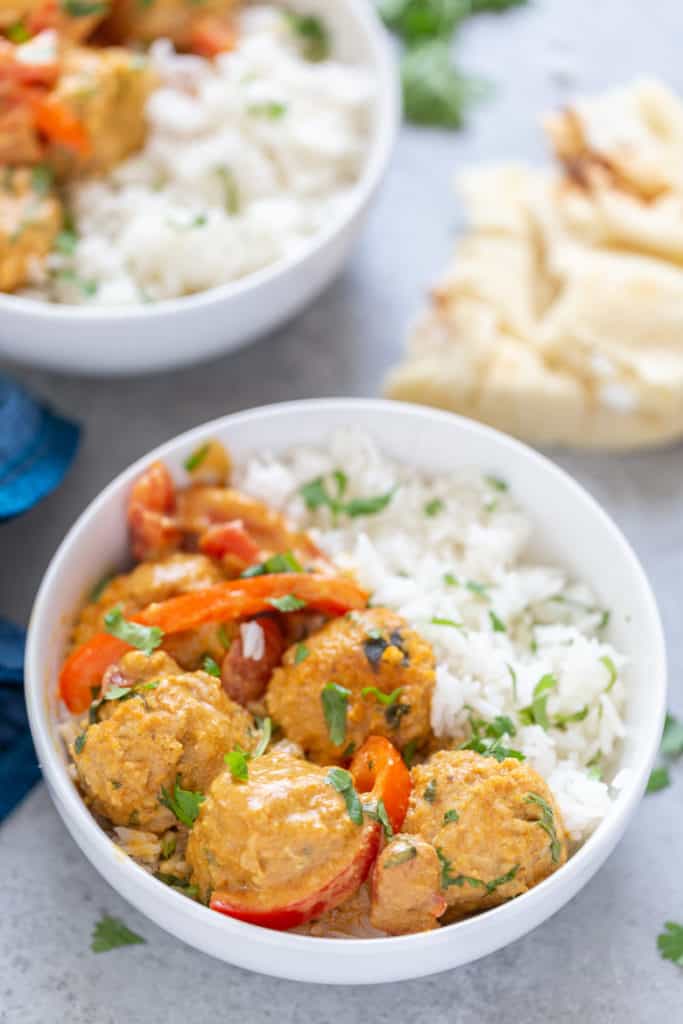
x=561 y=317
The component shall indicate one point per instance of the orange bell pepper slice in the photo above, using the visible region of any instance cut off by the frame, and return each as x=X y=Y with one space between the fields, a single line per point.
x=378 y=767
x=59 y=124
x=234 y=599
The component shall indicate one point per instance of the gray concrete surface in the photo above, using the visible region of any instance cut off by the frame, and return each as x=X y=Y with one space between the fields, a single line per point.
x=595 y=961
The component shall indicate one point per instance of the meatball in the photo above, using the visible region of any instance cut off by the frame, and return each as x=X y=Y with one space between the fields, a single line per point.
x=29 y=221
x=494 y=825
x=169 y=19
x=373 y=651
x=176 y=726
x=406 y=894
x=275 y=838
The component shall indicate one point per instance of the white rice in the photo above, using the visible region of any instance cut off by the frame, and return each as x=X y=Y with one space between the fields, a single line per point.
x=247 y=157
x=478 y=535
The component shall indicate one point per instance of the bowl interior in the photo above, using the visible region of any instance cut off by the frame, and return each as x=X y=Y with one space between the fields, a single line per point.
x=572 y=531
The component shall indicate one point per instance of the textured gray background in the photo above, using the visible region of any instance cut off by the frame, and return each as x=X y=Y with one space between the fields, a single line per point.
x=596 y=960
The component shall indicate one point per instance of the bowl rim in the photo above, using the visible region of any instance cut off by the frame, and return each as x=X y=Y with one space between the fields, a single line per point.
x=141 y=888
x=380 y=147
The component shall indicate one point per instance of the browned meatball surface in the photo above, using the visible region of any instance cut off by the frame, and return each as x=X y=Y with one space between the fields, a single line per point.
x=494 y=825
x=372 y=650
x=177 y=725
x=406 y=887
x=280 y=834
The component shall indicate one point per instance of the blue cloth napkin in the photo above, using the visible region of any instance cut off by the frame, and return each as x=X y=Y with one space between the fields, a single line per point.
x=36 y=449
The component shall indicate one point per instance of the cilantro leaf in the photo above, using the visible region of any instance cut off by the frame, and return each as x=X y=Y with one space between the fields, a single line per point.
x=266 y=735
x=211 y=667
x=287 y=603
x=237 y=761
x=384 y=698
x=547 y=823
x=672 y=737
x=271 y=109
x=450 y=816
x=99 y=588
x=312 y=33
x=342 y=781
x=659 y=779
x=184 y=803
x=497 y=624
x=145 y=638
x=408 y=753
x=497 y=483
x=378 y=812
x=670 y=943
x=612 y=669
x=232 y=200
x=79 y=742
x=285 y=562
x=110 y=933
x=335 y=701
x=536 y=713
x=430 y=791
x=434 y=93
x=433 y=507
x=316 y=495
x=195 y=460
x=402 y=855
x=301 y=653
x=42 y=179
x=418 y=20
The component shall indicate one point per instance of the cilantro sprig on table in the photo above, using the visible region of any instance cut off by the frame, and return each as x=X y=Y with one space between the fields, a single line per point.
x=110 y=933
x=434 y=91
x=670 y=749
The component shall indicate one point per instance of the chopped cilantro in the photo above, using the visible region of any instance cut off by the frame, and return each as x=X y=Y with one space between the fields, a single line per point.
x=437 y=621
x=271 y=109
x=79 y=742
x=284 y=562
x=491 y=747
x=612 y=670
x=99 y=588
x=434 y=92
x=659 y=779
x=416 y=20
x=237 y=761
x=480 y=590
x=179 y=884
x=266 y=735
x=448 y=878
x=378 y=812
x=383 y=698
x=66 y=242
x=312 y=33
x=394 y=713
x=561 y=721
x=301 y=653
x=83 y=8
x=450 y=816
x=672 y=737
x=401 y=856
x=670 y=943
x=42 y=179
x=18 y=33
x=536 y=713
x=224 y=637
x=496 y=623
x=430 y=791
x=433 y=507
x=195 y=460
x=341 y=780
x=210 y=666
x=408 y=753
x=110 y=933
x=287 y=603
x=451 y=580
x=547 y=823
x=335 y=701
x=144 y=638
x=316 y=495
x=232 y=192
x=184 y=803
x=87 y=285
x=497 y=483
x=168 y=845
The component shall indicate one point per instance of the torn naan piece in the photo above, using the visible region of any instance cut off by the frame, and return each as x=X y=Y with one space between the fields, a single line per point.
x=561 y=317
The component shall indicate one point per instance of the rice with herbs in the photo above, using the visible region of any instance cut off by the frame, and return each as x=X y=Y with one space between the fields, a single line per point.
x=524 y=661
x=247 y=157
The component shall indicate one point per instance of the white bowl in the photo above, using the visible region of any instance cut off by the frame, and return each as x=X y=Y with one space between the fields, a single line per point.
x=138 y=339
x=571 y=530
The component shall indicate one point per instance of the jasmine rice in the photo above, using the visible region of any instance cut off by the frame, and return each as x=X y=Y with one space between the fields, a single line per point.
x=524 y=662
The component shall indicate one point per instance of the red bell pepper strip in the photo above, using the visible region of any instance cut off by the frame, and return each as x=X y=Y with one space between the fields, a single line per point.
x=378 y=767
x=340 y=888
x=229 y=539
x=234 y=599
